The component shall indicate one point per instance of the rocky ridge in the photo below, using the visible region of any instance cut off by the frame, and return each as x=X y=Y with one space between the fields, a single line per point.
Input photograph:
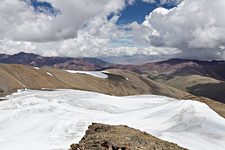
x=109 y=137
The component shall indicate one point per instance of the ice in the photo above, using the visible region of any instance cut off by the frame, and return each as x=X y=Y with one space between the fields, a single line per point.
x=47 y=120
x=97 y=74
x=48 y=73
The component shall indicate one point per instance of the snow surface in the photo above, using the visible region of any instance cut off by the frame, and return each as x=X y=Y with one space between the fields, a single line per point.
x=48 y=73
x=21 y=83
x=97 y=74
x=47 y=120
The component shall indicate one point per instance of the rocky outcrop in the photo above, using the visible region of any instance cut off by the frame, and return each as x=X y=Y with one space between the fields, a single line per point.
x=109 y=137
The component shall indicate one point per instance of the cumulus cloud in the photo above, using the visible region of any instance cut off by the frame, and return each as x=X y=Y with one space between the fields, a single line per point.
x=81 y=28
x=175 y=2
x=195 y=27
x=20 y=22
x=162 y=2
x=130 y=2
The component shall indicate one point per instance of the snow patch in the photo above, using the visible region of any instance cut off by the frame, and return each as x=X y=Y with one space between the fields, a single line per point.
x=44 y=120
x=104 y=71
x=36 y=68
x=48 y=73
x=21 y=83
x=97 y=74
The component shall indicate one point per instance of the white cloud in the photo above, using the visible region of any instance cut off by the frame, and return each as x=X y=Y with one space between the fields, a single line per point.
x=170 y=1
x=20 y=22
x=82 y=29
x=64 y=35
x=130 y=2
x=195 y=27
x=149 y=1
x=163 y=1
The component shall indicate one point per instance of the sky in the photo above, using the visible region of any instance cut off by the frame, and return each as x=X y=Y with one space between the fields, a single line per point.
x=192 y=29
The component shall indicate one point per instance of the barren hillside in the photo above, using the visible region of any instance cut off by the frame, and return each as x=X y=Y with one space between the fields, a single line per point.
x=118 y=82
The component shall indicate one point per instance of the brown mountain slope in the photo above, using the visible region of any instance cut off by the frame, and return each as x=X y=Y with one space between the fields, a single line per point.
x=119 y=83
x=184 y=82
x=196 y=85
x=213 y=69
x=15 y=77
x=200 y=78
x=108 y=137
x=211 y=90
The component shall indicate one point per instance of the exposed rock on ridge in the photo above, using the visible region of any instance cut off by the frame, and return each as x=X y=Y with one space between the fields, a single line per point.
x=108 y=137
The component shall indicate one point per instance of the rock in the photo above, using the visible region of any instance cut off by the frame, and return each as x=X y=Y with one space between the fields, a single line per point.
x=109 y=137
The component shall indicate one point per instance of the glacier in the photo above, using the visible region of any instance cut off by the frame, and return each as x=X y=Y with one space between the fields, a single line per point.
x=52 y=120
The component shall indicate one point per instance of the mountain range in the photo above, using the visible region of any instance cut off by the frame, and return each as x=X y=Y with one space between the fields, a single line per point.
x=200 y=78
x=31 y=59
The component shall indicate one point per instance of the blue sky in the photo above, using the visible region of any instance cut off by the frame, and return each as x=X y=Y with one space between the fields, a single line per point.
x=131 y=13
x=135 y=12
x=44 y=7
x=138 y=11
